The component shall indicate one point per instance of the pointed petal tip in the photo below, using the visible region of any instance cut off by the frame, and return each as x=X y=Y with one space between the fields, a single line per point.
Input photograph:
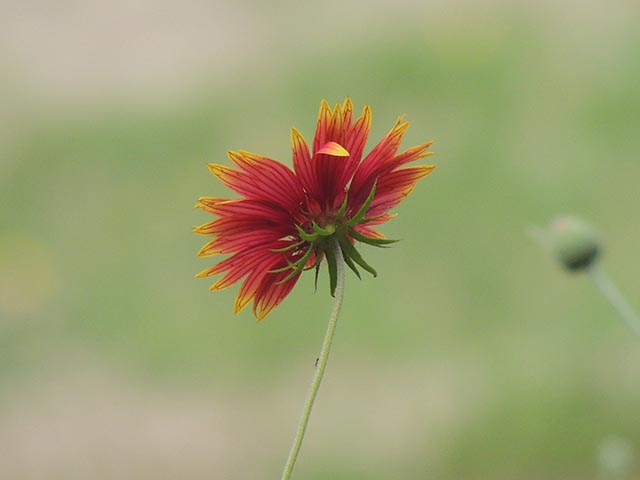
x=202 y=229
x=296 y=137
x=211 y=201
x=367 y=114
x=216 y=168
x=325 y=108
x=203 y=273
x=420 y=171
x=402 y=127
x=233 y=155
x=248 y=156
x=207 y=251
x=219 y=285
x=240 y=303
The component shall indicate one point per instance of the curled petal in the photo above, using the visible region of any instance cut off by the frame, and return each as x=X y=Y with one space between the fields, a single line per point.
x=334 y=149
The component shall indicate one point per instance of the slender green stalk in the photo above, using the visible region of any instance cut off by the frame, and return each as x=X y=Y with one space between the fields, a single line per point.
x=321 y=364
x=615 y=298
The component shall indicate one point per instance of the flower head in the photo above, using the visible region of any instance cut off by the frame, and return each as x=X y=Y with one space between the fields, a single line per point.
x=287 y=220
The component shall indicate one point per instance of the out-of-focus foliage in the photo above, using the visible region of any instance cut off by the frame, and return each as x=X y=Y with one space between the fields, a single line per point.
x=471 y=356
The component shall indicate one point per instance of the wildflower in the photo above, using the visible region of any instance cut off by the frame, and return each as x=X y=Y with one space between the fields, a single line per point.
x=288 y=220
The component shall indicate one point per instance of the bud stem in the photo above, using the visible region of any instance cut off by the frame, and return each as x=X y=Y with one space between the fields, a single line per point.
x=609 y=291
x=321 y=364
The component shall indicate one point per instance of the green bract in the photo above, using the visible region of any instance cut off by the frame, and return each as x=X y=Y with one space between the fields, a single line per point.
x=321 y=239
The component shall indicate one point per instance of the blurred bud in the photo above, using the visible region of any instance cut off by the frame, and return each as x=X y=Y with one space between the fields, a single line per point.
x=615 y=458
x=575 y=243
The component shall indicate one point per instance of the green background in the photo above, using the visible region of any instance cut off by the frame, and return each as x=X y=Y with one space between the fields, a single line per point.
x=471 y=356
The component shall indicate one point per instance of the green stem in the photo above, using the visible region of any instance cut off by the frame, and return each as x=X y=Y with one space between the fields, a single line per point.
x=321 y=364
x=615 y=298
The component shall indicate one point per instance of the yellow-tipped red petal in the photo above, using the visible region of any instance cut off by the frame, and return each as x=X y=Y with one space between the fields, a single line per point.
x=207 y=272
x=324 y=121
x=357 y=134
x=347 y=113
x=209 y=249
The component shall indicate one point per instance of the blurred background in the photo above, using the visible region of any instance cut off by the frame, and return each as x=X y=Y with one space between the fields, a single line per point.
x=471 y=356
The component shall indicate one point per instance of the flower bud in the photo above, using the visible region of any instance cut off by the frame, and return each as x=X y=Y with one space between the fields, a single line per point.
x=575 y=243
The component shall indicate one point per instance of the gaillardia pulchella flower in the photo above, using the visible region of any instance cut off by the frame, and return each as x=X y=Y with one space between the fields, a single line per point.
x=287 y=220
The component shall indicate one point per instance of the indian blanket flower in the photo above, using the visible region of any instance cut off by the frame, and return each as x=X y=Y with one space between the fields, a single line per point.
x=287 y=221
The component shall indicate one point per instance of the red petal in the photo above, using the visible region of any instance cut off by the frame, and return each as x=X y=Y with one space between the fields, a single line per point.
x=261 y=179
x=395 y=187
x=324 y=124
x=245 y=208
x=271 y=293
x=356 y=135
x=238 y=242
x=276 y=180
x=367 y=172
x=255 y=278
x=302 y=163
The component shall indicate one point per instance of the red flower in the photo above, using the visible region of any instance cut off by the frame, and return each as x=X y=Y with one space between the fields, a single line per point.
x=287 y=221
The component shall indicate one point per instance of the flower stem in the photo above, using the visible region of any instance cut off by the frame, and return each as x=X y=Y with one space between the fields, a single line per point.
x=321 y=363
x=615 y=298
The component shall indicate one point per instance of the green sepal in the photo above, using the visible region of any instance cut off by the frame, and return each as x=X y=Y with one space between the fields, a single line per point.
x=317 y=265
x=307 y=237
x=290 y=265
x=333 y=270
x=290 y=276
x=350 y=251
x=323 y=232
x=357 y=218
x=351 y=265
x=288 y=247
x=376 y=242
x=343 y=207
x=298 y=266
